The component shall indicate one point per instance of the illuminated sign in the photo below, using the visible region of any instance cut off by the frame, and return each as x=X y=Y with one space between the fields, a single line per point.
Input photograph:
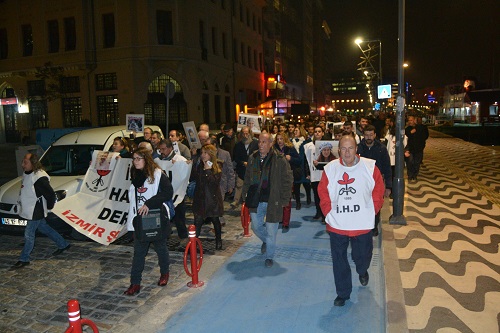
x=9 y=101
x=384 y=91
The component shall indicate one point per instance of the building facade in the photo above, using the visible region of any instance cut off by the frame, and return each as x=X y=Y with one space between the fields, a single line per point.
x=72 y=63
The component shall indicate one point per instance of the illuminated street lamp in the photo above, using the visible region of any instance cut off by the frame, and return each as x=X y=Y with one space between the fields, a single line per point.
x=368 y=57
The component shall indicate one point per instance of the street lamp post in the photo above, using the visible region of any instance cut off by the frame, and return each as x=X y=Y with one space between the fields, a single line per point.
x=398 y=184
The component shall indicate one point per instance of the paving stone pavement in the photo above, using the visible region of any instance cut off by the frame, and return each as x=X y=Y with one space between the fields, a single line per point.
x=34 y=298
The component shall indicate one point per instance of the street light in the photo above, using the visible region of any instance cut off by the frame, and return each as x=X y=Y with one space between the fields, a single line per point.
x=368 y=57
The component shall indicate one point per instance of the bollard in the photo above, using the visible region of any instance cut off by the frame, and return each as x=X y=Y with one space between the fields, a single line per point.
x=195 y=265
x=75 y=321
x=245 y=220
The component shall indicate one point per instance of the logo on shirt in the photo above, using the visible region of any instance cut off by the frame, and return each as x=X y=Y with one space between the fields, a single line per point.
x=140 y=198
x=346 y=181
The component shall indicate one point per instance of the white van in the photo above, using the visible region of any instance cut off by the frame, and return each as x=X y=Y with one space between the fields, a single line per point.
x=66 y=161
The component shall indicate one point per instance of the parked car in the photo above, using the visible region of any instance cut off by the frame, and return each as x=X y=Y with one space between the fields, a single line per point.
x=66 y=161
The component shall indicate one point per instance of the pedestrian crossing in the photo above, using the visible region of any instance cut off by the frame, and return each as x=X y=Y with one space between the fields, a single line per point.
x=449 y=250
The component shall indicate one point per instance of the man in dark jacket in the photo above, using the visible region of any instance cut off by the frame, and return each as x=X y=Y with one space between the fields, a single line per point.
x=35 y=199
x=228 y=141
x=371 y=148
x=417 y=135
x=246 y=146
x=272 y=171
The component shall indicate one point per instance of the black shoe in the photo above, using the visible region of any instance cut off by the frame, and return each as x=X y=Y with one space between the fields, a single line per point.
x=59 y=251
x=285 y=228
x=20 y=264
x=218 y=244
x=375 y=232
x=316 y=217
x=308 y=201
x=339 y=301
x=263 y=248
x=363 y=279
x=298 y=206
x=269 y=263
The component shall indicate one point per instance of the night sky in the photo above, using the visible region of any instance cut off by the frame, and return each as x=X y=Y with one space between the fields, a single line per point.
x=445 y=40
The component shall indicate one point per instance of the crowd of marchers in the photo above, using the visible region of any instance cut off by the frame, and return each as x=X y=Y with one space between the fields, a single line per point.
x=345 y=167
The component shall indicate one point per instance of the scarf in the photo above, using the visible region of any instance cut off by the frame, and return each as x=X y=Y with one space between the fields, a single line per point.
x=297 y=142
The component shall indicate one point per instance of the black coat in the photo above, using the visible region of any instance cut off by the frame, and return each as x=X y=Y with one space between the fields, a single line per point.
x=207 y=201
x=240 y=156
x=379 y=153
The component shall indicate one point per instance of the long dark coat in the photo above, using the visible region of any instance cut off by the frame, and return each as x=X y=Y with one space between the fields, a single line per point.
x=207 y=201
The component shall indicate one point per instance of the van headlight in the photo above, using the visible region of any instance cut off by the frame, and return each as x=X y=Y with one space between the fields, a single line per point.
x=60 y=194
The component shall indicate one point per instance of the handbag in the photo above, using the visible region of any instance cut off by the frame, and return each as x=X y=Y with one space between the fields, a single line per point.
x=153 y=226
x=253 y=196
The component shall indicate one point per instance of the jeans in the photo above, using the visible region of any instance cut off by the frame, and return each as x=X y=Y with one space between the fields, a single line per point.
x=361 y=252
x=30 y=233
x=266 y=231
x=141 y=250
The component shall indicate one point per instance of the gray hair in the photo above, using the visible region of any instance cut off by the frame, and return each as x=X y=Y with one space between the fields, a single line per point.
x=145 y=144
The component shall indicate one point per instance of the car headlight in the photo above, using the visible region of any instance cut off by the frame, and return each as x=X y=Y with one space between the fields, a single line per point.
x=60 y=194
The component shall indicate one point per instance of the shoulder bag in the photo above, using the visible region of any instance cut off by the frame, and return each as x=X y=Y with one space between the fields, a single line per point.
x=151 y=227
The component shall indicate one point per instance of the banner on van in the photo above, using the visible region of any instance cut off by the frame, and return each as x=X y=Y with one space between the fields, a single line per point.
x=100 y=210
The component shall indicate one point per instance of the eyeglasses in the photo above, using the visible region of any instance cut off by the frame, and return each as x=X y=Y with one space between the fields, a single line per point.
x=138 y=158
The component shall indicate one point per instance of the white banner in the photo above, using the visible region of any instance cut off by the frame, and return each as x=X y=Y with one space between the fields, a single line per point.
x=100 y=210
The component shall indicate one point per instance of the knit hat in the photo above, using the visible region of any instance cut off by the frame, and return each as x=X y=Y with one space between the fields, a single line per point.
x=325 y=145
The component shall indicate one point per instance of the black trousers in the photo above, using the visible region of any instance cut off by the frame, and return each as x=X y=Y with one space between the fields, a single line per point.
x=198 y=222
x=316 y=199
x=180 y=220
x=296 y=191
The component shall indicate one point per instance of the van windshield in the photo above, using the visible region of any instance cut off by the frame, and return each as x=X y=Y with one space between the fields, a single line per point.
x=68 y=160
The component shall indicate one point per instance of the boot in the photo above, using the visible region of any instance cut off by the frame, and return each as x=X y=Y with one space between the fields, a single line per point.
x=133 y=290
x=198 y=222
x=163 y=280
x=218 y=233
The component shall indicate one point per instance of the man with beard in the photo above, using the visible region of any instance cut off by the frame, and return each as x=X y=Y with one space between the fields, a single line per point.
x=349 y=128
x=363 y=122
x=228 y=141
x=247 y=145
x=371 y=148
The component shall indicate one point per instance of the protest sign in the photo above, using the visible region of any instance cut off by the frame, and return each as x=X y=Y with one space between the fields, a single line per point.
x=100 y=210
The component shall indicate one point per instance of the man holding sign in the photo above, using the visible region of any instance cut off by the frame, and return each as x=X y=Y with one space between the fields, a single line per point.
x=168 y=154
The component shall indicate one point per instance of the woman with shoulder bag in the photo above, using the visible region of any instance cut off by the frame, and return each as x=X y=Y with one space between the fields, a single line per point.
x=207 y=202
x=150 y=188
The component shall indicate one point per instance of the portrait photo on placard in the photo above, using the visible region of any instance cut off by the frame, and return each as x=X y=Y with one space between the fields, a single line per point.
x=326 y=151
x=191 y=134
x=135 y=122
x=251 y=120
